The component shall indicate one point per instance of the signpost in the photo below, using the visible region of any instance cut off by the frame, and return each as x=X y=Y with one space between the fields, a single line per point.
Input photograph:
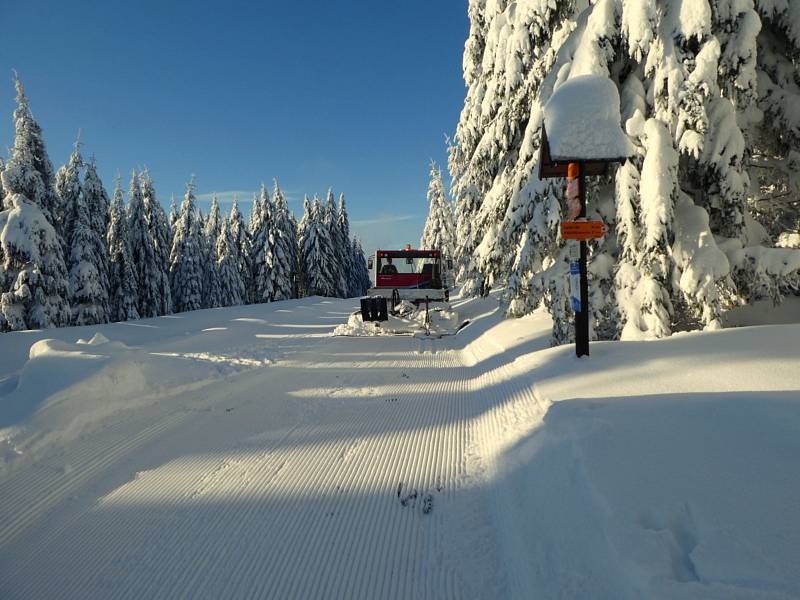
x=583 y=230
x=582 y=103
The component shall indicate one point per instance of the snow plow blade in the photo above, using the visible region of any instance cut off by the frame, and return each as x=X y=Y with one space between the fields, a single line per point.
x=374 y=309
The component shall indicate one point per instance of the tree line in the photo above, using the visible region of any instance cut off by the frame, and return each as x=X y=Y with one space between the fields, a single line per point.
x=70 y=255
x=703 y=218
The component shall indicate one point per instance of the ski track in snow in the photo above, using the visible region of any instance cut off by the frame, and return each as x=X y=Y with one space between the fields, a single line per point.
x=374 y=494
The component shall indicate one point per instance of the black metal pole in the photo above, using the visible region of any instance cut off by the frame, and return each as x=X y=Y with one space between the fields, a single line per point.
x=582 y=317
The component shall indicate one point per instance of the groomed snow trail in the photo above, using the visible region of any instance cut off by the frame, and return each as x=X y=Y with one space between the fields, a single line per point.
x=347 y=468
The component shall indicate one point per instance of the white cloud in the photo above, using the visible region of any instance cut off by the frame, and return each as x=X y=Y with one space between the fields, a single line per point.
x=384 y=220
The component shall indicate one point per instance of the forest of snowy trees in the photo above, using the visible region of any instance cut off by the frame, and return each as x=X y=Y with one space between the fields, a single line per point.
x=71 y=256
x=703 y=218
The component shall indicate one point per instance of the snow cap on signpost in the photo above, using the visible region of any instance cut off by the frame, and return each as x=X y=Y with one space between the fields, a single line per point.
x=582 y=124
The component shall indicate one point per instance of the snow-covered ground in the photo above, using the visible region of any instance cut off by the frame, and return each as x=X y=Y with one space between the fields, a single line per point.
x=247 y=452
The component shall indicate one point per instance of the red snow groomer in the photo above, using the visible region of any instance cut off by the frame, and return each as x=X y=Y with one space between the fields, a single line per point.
x=412 y=275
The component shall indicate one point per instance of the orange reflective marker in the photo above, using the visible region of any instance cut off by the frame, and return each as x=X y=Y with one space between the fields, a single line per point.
x=583 y=230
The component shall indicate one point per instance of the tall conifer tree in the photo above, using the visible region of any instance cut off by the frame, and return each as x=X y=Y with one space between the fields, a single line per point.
x=360 y=275
x=212 y=294
x=230 y=279
x=143 y=254
x=2 y=189
x=238 y=232
x=338 y=247
x=318 y=252
x=68 y=189
x=162 y=242
x=87 y=271
x=438 y=232
x=285 y=267
x=32 y=267
x=346 y=249
x=42 y=190
x=123 y=295
x=263 y=242
x=185 y=261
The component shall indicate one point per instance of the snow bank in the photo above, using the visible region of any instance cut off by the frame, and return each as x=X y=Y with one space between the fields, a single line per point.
x=54 y=390
x=660 y=469
x=409 y=320
x=582 y=119
x=356 y=327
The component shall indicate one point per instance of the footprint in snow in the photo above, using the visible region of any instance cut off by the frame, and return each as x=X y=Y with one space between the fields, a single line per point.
x=410 y=499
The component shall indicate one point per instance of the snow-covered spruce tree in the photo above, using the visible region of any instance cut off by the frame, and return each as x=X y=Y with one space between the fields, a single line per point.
x=338 y=247
x=438 y=231
x=468 y=134
x=302 y=228
x=318 y=252
x=285 y=249
x=297 y=271
x=123 y=296
x=776 y=136
x=680 y=250
x=776 y=151
x=29 y=133
x=238 y=232
x=96 y=197
x=254 y=230
x=263 y=243
x=86 y=264
x=88 y=295
x=98 y=205
x=230 y=279
x=505 y=59
x=2 y=189
x=346 y=251
x=256 y=214
x=360 y=282
x=162 y=241
x=172 y=218
x=247 y=255
x=69 y=192
x=278 y=246
x=32 y=268
x=186 y=257
x=68 y=189
x=212 y=293
x=143 y=256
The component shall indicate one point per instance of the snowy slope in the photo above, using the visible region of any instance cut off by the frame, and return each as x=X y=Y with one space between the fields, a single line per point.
x=247 y=452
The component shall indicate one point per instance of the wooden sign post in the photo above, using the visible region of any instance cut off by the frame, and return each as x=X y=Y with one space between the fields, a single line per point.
x=579 y=104
x=581 y=230
x=582 y=104
x=582 y=315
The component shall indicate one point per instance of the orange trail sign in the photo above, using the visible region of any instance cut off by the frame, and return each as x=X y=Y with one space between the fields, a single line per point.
x=583 y=230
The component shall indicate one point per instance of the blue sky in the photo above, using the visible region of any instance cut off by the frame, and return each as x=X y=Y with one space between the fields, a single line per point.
x=356 y=95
